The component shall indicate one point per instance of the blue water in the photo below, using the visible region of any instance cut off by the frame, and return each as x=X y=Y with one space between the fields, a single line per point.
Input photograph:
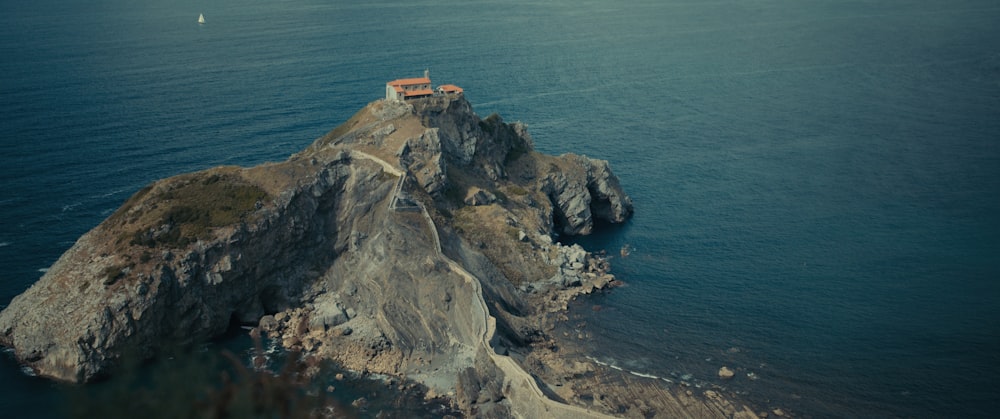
x=816 y=182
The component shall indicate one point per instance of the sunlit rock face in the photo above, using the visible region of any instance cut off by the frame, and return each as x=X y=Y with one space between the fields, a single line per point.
x=412 y=236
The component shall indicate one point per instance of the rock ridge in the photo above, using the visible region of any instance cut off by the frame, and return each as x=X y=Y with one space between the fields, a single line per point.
x=414 y=240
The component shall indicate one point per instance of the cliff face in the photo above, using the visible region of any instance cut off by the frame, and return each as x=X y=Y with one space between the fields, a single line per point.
x=408 y=241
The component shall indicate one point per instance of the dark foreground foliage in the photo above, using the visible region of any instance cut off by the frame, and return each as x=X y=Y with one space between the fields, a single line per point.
x=190 y=385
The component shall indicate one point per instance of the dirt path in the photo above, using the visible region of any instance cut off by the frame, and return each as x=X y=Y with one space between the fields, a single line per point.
x=520 y=388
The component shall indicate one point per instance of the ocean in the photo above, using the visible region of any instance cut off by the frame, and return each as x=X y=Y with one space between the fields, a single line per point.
x=817 y=183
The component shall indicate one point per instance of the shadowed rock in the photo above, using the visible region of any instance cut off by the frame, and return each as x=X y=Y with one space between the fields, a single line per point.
x=362 y=249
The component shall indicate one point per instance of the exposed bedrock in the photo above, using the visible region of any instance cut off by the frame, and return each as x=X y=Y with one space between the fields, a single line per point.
x=414 y=240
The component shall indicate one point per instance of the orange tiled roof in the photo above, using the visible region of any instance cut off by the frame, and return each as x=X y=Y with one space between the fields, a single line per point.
x=410 y=82
x=450 y=88
x=419 y=92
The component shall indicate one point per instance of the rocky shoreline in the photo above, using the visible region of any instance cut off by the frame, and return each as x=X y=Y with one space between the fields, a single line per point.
x=413 y=241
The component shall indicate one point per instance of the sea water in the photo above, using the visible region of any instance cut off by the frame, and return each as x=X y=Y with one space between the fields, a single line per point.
x=816 y=182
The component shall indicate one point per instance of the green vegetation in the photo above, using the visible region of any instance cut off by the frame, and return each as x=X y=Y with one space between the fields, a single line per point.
x=517 y=190
x=190 y=208
x=112 y=274
x=501 y=197
x=490 y=123
x=384 y=176
x=520 y=148
x=484 y=227
x=455 y=194
x=344 y=128
x=467 y=220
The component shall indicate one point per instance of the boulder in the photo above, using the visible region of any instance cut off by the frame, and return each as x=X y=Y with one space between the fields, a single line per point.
x=327 y=314
x=476 y=196
x=267 y=323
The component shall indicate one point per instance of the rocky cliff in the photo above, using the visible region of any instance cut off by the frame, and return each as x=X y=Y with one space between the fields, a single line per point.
x=414 y=240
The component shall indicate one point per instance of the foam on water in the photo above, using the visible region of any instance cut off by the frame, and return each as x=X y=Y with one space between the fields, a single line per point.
x=639 y=374
x=613 y=365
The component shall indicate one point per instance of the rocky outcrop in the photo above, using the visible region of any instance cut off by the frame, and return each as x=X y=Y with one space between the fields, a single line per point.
x=104 y=296
x=409 y=241
x=460 y=135
x=476 y=196
x=584 y=191
x=421 y=156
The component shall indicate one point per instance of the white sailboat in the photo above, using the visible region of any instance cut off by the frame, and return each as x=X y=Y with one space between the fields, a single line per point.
x=201 y=18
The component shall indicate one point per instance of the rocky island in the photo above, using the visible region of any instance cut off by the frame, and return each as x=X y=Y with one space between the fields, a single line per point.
x=415 y=240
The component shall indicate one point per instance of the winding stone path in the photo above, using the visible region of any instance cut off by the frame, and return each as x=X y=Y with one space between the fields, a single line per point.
x=520 y=388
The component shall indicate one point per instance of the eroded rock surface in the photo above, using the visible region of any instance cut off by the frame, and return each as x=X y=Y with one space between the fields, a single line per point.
x=415 y=240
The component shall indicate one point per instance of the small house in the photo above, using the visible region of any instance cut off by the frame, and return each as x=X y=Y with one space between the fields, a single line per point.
x=449 y=89
x=403 y=89
x=415 y=88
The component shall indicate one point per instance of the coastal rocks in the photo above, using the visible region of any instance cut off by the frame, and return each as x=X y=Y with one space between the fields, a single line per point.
x=609 y=202
x=725 y=373
x=578 y=267
x=267 y=322
x=577 y=272
x=582 y=190
x=317 y=253
x=71 y=327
